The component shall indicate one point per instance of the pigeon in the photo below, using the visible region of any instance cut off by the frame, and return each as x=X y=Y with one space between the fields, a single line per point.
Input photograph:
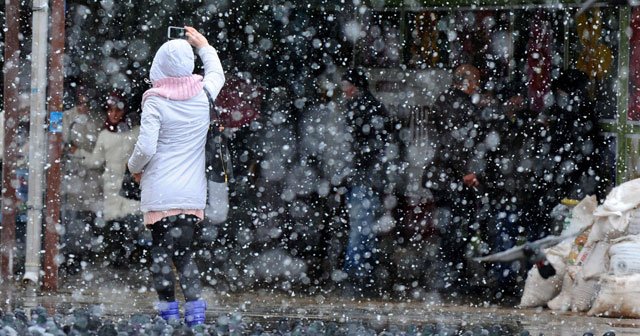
x=532 y=251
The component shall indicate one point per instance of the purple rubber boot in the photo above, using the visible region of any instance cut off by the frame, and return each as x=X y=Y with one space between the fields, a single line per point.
x=194 y=312
x=168 y=310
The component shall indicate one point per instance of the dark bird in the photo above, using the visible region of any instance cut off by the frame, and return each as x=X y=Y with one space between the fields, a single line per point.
x=532 y=252
x=529 y=250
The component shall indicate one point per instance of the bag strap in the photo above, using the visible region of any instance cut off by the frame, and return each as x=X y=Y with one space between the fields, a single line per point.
x=213 y=112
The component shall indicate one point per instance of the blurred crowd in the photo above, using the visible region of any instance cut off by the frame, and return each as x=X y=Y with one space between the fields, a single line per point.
x=325 y=197
x=333 y=191
x=321 y=200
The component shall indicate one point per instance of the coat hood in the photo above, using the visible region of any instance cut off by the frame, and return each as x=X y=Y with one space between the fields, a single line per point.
x=175 y=58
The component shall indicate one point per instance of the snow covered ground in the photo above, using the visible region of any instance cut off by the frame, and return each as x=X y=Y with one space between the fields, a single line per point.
x=119 y=294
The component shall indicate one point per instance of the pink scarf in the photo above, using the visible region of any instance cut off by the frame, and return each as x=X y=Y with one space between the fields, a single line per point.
x=175 y=88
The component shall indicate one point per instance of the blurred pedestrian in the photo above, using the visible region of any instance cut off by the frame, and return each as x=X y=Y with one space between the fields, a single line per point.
x=120 y=220
x=317 y=178
x=367 y=126
x=82 y=186
x=512 y=185
x=450 y=177
x=168 y=159
x=577 y=145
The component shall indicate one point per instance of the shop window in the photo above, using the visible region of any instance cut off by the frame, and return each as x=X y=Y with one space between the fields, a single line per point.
x=593 y=45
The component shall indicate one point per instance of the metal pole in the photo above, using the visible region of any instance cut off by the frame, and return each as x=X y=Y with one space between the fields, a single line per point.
x=56 y=88
x=623 y=127
x=11 y=118
x=36 y=140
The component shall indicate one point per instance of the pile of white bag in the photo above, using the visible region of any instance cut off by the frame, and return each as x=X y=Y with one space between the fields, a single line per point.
x=597 y=271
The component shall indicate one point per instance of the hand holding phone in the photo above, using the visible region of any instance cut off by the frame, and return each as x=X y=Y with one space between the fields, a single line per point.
x=174 y=32
x=195 y=38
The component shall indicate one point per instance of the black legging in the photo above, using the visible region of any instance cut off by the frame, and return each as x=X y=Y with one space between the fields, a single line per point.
x=174 y=237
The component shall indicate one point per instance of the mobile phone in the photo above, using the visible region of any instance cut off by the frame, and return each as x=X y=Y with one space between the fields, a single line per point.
x=176 y=33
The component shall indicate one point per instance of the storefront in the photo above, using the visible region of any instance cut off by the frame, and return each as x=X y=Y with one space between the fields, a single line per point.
x=411 y=49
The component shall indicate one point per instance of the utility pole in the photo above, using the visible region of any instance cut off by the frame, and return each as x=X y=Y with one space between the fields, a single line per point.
x=36 y=141
x=11 y=119
x=56 y=88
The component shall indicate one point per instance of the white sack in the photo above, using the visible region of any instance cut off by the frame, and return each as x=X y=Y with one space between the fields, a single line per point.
x=625 y=256
x=620 y=199
x=612 y=217
x=537 y=290
x=619 y=297
x=590 y=264
x=609 y=228
x=634 y=222
x=597 y=262
x=556 y=255
x=581 y=215
x=583 y=293
x=562 y=301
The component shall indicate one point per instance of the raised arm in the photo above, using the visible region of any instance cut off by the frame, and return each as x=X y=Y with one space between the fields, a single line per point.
x=213 y=72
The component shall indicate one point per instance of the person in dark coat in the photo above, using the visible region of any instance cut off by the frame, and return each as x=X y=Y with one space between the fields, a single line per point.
x=513 y=184
x=450 y=177
x=367 y=122
x=576 y=140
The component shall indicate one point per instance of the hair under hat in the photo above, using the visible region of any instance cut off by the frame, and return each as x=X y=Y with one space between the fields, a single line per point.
x=117 y=98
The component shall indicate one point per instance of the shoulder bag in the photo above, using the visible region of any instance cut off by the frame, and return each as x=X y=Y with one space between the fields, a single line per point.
x=218 y=167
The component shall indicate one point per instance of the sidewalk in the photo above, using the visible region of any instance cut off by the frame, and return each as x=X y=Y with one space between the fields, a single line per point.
x=122 y=293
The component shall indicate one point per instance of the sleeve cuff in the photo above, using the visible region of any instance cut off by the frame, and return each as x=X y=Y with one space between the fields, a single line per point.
x=203 y=49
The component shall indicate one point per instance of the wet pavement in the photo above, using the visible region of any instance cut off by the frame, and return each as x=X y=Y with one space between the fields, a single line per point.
x=121 y=293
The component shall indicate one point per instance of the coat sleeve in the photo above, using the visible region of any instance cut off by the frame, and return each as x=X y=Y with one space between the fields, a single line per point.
x=147 y=143
x=213 y=73
x=96 y=158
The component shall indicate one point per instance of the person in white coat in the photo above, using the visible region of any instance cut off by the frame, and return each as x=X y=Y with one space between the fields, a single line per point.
x=81 y=187
x=121 y=217
x=169 y=160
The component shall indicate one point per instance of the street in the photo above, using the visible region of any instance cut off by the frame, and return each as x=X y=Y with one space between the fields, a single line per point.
x=122 y=293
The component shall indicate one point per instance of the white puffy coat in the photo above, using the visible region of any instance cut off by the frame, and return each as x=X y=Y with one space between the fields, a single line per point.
x=111 y=152
x=170 y=148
